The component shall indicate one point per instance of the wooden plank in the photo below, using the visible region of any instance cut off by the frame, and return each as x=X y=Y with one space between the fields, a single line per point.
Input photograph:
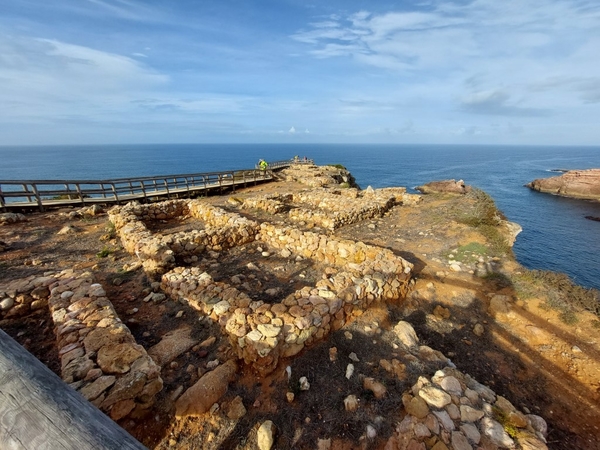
x=40 y=412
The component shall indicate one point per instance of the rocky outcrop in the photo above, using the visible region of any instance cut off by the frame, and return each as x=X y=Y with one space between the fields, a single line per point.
x=575 y=183
x=318 y=176
x=444 y=187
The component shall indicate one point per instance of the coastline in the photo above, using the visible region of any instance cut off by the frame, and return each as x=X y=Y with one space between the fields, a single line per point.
x=469 y=299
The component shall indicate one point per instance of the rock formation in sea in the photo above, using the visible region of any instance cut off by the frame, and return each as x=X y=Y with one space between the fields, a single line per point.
x=574 y=183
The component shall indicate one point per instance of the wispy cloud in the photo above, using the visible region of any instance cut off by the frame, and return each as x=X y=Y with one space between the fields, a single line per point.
x=43 y=75
x=497 y=103
x=508 y=47
x=438 y=70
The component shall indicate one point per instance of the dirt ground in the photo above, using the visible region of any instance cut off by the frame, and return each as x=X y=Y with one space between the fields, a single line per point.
x=526 y=354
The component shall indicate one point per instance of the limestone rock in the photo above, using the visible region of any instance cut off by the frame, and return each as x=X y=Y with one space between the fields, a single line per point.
x=538 y=424
x=351 y=403
x=434 y=396
x=460 y=442
x=118 y=358
x=6 y=304
x=172 y=345
x=406 y=333
x=469 y=414
x=574 y=183
x=93 y=390
x=444 y=186
x=208 y=390
x=471 y=432
x=417 y=407
x=265 y=435
x=236 y=410
x=495 y=432
x=378 y=389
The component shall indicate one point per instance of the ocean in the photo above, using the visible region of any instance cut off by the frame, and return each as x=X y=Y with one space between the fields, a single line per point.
x=556 y=236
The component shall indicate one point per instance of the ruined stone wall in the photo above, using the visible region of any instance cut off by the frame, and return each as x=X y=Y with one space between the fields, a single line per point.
x=157 y=252
x=262 y=332
x=272 y=203
x=99 y=356
x=20 y=297
x=328 y=250
x=329 y=208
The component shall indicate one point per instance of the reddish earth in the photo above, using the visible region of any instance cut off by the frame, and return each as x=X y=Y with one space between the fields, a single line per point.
x=526 y=354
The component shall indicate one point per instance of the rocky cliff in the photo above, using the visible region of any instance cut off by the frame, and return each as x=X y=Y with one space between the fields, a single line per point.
x=574 y=183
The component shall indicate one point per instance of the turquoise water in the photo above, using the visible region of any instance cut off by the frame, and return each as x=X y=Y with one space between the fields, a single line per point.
x=556 y=235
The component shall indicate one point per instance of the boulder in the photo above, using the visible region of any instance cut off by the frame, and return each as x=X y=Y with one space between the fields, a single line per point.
x=444 y=187
x=172 y=345
x=208 y=390
x=406 y=333
x=265 y=435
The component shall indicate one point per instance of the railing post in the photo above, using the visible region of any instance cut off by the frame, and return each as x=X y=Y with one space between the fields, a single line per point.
x=114 y=189
x=143 y=186
x=37 y=197
x=78 y=187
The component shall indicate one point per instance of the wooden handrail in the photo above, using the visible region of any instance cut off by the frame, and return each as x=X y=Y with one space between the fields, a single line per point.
x=49 y=193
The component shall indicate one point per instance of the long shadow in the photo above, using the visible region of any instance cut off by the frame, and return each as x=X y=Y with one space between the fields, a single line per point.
x=517 y=371
x=319 y=411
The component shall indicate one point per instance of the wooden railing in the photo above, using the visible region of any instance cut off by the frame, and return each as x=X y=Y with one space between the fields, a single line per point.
x=22 y=194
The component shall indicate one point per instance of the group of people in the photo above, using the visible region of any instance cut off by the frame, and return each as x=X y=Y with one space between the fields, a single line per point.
x=263 y=165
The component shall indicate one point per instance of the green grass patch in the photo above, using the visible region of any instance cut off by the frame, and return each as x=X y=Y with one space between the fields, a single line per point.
x=337 y=166
x=104 y=252
x=468 y=253
x=482 y=214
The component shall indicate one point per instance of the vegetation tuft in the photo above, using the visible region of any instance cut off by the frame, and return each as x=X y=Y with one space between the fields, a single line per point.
x=468 y=253
x=337 y=166
x=486 y=217
x=560 y=292
x=503 y=419
x=104 y=252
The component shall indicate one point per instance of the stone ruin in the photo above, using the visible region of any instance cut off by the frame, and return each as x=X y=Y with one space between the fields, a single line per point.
x=98 y=354
x=100 y=359
x=354 y=274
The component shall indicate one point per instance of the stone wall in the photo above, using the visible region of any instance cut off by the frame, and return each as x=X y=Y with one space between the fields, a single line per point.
x=99 y=356
x=261 y=332
x=317 y=176
x=329 y=208
x=157 y=252
x=20 y=297
x=453 y=409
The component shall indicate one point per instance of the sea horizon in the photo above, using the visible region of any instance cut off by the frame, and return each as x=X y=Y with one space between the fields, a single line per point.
x=556 y=236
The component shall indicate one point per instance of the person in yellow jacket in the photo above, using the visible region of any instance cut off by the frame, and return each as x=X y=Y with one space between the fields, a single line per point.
x=262 y=164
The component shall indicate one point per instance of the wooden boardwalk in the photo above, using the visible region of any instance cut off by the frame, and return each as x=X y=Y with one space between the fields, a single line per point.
x=41 y=194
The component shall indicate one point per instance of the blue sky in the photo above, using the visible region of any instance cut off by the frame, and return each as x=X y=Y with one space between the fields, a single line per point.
x=128 y=71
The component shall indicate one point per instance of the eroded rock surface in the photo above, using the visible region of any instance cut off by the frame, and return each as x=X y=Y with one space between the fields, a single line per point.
x=574 y=183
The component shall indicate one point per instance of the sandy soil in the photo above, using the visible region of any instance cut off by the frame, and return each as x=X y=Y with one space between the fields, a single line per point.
x=527 y=354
